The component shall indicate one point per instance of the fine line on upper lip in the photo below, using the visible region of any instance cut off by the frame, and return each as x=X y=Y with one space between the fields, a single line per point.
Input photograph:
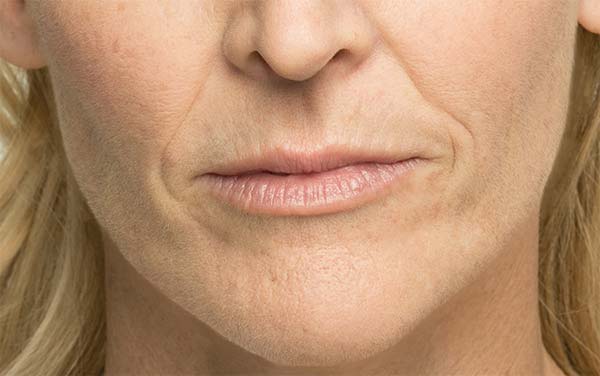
x=288 y=161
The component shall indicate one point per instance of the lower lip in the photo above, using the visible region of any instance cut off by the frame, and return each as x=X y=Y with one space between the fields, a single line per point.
x=316 y=193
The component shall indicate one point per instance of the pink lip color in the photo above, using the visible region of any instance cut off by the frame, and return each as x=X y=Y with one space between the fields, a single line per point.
x=313 y=193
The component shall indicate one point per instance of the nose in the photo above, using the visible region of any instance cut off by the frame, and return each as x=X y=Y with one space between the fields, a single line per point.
x=297 y=39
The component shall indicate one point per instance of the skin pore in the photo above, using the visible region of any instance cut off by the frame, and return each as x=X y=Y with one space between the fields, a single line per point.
x=437 y=277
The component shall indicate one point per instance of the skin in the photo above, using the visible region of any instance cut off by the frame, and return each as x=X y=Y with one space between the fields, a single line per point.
x=438 y=277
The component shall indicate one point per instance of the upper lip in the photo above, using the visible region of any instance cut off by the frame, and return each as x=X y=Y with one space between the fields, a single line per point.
x=295 y=161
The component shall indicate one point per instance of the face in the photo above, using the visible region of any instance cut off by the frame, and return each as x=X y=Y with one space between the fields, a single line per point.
x=152 y=93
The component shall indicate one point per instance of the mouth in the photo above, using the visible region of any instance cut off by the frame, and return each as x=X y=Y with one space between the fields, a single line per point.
x=284 y=183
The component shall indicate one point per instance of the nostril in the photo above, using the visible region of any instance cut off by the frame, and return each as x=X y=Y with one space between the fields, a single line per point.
x=339 y=54
x=258 y=66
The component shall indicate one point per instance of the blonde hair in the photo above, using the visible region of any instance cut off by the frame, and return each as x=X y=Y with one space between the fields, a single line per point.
x=52 y=303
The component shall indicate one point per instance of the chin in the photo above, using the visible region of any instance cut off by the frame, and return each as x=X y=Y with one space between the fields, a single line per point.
x=319 y=332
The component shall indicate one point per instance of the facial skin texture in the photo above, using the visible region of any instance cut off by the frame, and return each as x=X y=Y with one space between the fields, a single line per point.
x=439 y=277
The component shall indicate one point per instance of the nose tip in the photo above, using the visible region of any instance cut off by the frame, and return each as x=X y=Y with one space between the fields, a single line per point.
x=298 y=59
x=295 y=40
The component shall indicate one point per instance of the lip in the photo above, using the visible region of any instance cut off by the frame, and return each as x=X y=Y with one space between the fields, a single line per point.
x=285 y=183
x=289 y=161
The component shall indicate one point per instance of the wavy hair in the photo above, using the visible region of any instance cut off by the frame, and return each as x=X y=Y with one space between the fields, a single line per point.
x=52 y=298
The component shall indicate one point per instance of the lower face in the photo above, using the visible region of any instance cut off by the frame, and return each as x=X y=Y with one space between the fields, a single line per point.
x=146 y=100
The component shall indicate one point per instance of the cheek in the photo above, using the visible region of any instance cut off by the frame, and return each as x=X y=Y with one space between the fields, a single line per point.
x=122 y=87
x=501 y=70
x=496 y=67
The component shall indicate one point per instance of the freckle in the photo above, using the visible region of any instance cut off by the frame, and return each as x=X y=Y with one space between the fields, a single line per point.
x=120 y=7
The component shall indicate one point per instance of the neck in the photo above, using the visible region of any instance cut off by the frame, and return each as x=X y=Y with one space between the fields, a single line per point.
x=491 y=327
